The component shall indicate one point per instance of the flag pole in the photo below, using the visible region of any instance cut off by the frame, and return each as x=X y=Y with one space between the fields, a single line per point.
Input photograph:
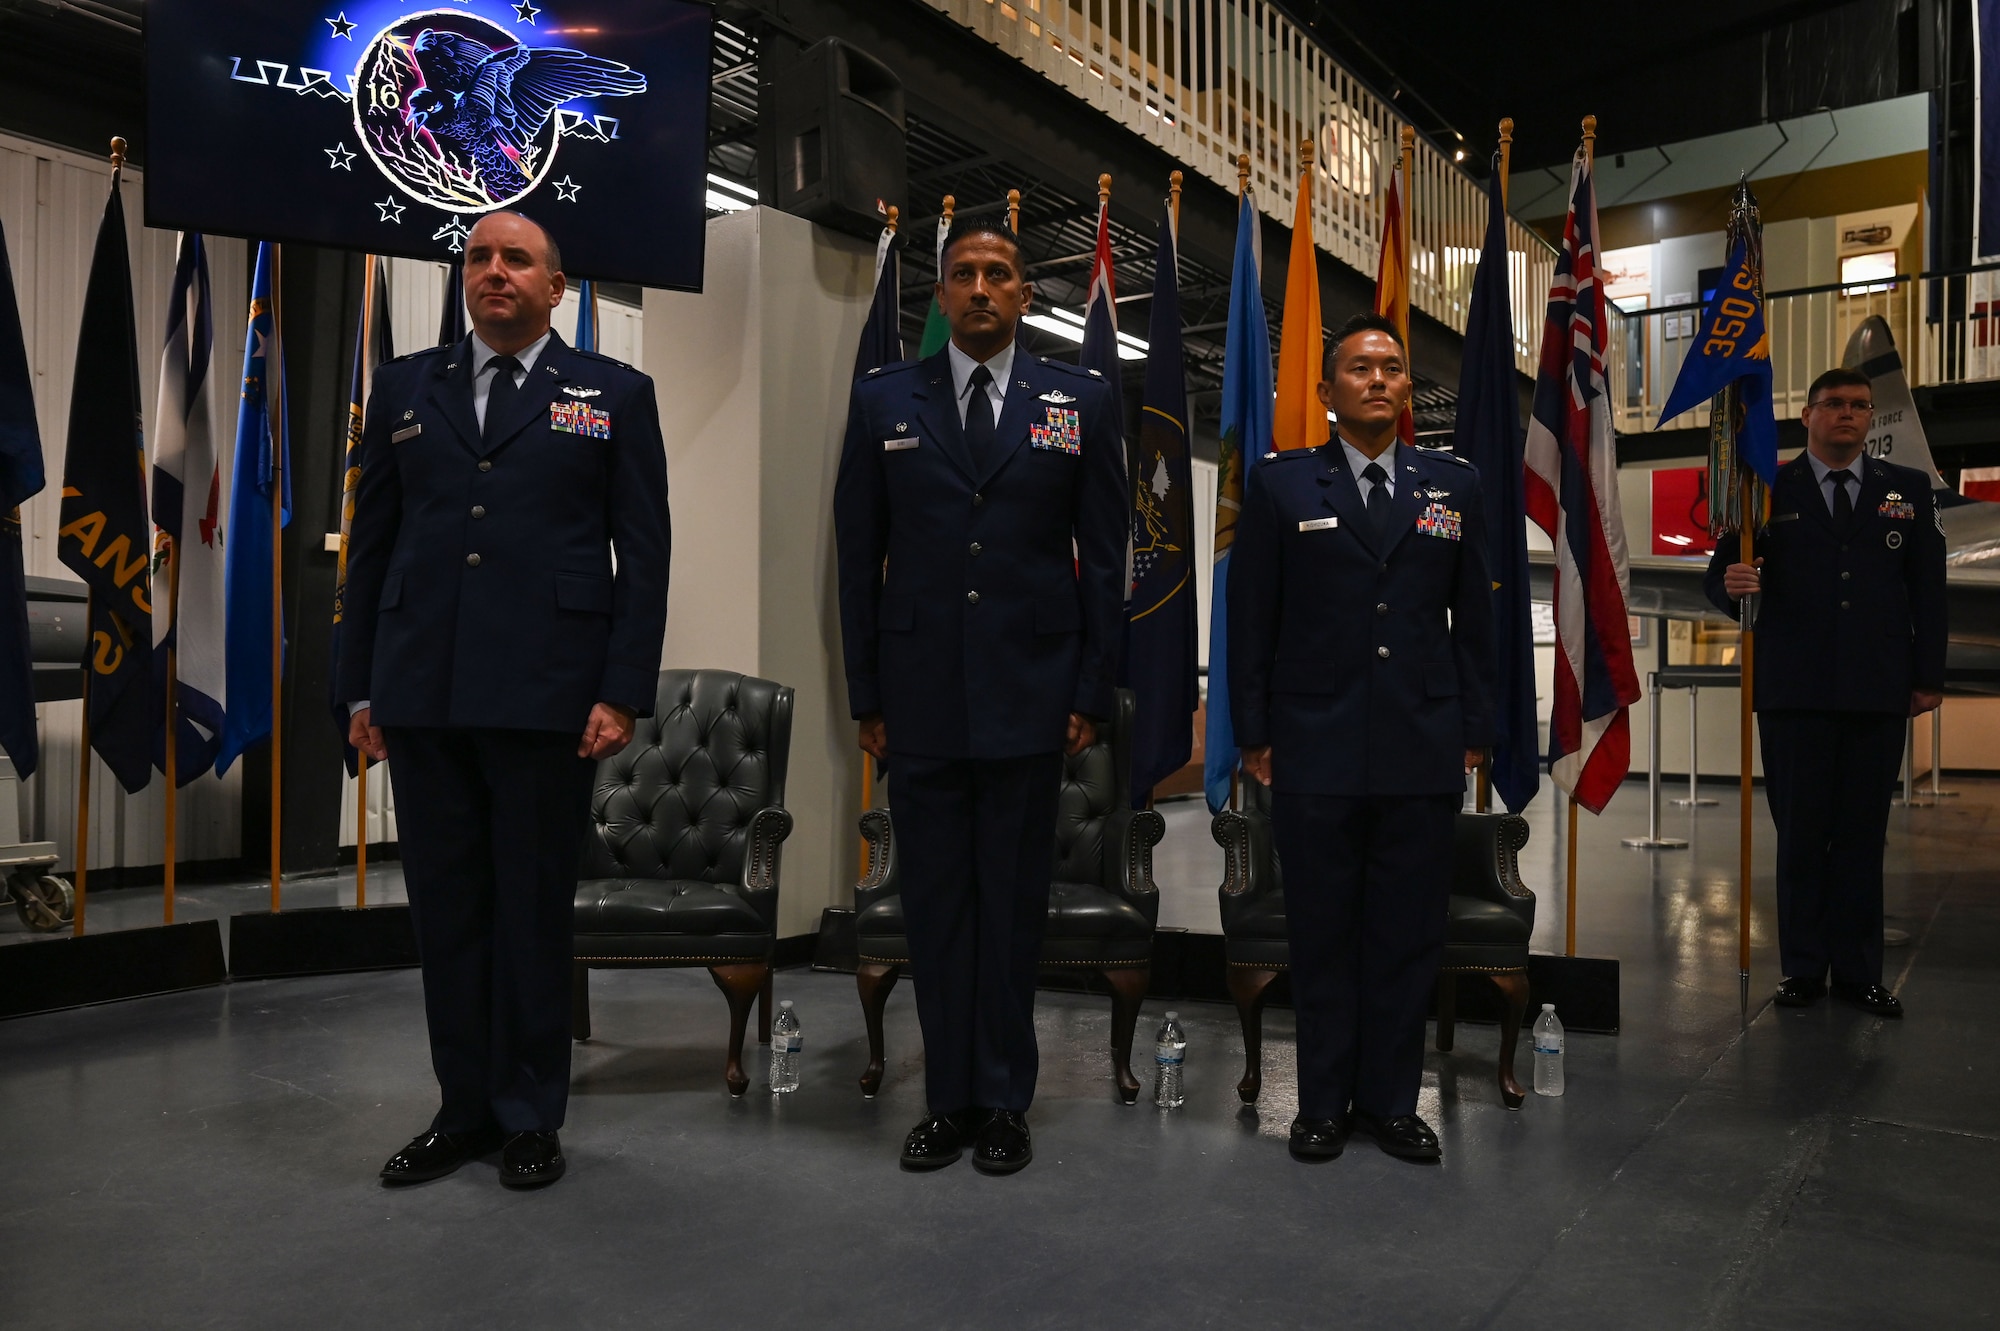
x=1569 y=935
x=82 y=874
x=275 y=394
x=1746 y=546
x=868 y=759
x=171 y=851
x=1408 y=139
x=1482 y=798
x=368 y=275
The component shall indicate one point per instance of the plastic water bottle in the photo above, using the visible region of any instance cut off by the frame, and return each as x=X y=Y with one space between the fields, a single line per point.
x=1548 y=1052
x=787 y=1039
x=1169 y=1050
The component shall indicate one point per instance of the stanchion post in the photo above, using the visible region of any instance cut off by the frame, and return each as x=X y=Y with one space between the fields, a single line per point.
x=82 y=873
x=1653 y=840
x=361 y=832
x=1569 y=895
x=1938 y=792
x=1694 y=798
x=276 y=416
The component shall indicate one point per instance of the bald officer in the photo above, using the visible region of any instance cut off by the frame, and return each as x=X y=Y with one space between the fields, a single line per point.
x=490 y=649
x=981 y=519
x=1361 y=685
x=1850 y=642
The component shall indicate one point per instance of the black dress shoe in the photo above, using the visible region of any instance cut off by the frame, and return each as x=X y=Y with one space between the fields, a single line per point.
x=434 y=1154
x=1797 y=992
x=1405 y=1136
x=1318 y=1138
x=1003 y=1145
x=531 y=1160
x=1870 y=998
x=933 y=1143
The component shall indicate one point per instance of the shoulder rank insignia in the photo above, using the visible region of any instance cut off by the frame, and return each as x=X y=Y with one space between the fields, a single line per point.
x=1097 y=374
x=876 y=370
x=583 y=392
x=1055 y=395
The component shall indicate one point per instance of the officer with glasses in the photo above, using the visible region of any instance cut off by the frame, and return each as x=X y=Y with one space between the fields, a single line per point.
x=1850 y=645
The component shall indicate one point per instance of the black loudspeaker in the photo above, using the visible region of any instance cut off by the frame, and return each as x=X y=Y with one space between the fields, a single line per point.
x=830 y=137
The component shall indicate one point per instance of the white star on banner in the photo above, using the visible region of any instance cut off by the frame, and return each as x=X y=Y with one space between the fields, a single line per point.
x=338 y=157
x=391 y=210
x=566 y=189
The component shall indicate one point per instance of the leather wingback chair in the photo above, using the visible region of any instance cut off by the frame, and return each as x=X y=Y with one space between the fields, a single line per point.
x=1492 y=916
x=681 y=867
x=1103 y=904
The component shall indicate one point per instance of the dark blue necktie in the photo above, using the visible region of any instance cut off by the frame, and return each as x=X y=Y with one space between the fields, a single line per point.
x=1843 y=507
x=1378 y=501
x=500 y=396
x=979 y=418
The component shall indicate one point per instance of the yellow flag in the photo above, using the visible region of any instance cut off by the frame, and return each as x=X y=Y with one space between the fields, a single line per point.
x=1298 y=419
x=1392 y=282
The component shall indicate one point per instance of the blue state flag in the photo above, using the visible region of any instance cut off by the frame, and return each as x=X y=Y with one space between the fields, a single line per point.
x=21 y=478
x=1488 y=435
x=106 y=538
x=882 y=335
x=451 y=322
x=1160 y=643
x=586 y=316
x=1247 y=408
x=1734 y=347
x=261 y=470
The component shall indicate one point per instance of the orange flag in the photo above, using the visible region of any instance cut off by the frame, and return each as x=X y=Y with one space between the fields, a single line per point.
x=1392 y=281
x=1298 y=420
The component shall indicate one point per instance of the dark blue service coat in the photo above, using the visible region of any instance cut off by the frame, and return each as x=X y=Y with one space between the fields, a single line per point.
x=480 y=588
x=1368 y=669
x=1853 y=620
x=981 y=605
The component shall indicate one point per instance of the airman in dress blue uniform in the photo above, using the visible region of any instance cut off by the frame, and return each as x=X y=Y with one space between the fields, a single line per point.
x=491 y=647
x=1361 y=685
x=981 y=518
x=1850 y=641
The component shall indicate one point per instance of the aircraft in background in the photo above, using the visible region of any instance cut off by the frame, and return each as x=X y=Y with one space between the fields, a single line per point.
x=1671 y=585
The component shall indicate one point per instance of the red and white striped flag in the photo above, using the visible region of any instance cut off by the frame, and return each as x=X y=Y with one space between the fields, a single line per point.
x=1571 y=480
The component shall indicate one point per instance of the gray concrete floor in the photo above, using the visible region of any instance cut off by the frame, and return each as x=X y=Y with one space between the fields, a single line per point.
x=208 y=1158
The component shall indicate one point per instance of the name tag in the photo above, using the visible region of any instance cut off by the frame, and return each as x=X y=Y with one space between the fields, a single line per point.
x=407 y=432
x=1320 y=524
x=1777 y=518
x=898 y=445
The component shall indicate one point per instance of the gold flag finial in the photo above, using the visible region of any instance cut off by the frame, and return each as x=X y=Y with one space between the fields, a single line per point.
x=1014 y=211
x=1305 y=155
x=1242 y=173
x=1103 y=189
x=1590 y=139
x=894 y=213
x=118 y=146
x=1174 y=197
x=950 y=207
x=1506 y=154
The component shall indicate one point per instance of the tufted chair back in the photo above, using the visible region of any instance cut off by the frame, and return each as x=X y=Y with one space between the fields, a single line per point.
x=1095 y=784
x=679 y=801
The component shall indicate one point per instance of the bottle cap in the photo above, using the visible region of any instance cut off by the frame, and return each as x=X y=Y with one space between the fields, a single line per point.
x=1548 y=1007
x=786 y=1003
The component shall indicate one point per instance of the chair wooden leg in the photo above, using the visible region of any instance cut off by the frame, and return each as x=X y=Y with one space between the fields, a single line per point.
x=579 y=1001
x=1447 y=1007
x=1128 y=990
x=764 y=1010
x=874 y=980
x=1249 y=987
x=1513 y=987
x=739 y=984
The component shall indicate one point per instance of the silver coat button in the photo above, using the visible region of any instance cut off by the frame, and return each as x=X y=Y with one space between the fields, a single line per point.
x=972 y=598
x=1382 y=652
x=479 y=510
x=472 y=561
x=486 y=465
x=1381 y=609
x=975 y=549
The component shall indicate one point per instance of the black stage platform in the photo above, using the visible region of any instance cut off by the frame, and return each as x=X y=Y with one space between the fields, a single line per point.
x=208 y=1157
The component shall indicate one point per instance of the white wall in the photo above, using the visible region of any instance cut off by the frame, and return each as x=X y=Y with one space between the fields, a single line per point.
x=753 y=377
x=51 y=202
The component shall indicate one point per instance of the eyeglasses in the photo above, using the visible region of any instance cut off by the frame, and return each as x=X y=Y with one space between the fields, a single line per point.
x=1844 y=406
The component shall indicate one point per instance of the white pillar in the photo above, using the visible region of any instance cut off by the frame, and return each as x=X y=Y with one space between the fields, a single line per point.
x=753 y=377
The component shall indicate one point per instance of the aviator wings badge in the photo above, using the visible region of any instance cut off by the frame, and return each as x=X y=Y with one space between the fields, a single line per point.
x=1057 y=396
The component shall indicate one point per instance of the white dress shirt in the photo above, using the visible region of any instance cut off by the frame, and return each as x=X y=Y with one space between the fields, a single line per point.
x=483 y=372
x=1357 y=462
x=962 y=365
x=1826 y=488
